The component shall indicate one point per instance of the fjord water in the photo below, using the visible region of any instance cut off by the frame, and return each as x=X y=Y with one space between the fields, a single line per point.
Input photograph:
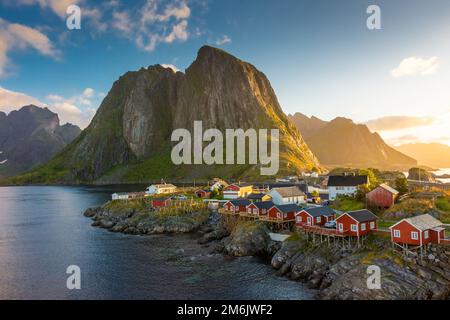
x=43 y=231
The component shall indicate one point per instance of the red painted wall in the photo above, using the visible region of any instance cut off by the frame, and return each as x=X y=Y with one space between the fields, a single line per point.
x=405 y=234
x=160 y=203
x=380 y=197
x=347 y=221
x=273 y=214
x=232 y=188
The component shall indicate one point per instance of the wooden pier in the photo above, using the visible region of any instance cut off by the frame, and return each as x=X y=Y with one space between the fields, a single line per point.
x=273 y=223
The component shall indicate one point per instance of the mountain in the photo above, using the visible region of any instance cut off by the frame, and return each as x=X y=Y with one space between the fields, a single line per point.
x=30 y=137
x=341 y=142
x=309 y=125
x=435 y=155
x=128 y=139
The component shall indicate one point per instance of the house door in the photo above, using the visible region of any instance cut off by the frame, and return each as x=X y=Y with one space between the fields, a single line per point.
x=309 y=220
x=340 y=227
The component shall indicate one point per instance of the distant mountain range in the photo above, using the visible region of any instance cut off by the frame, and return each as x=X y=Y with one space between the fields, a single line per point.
x=129 y=139
x=341 y=142
x=433 y=155
x=29 y=137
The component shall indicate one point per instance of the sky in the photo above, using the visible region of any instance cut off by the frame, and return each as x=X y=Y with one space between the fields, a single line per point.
x=320 y=56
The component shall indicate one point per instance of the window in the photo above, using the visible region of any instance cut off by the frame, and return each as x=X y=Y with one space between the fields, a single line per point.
x=278 y=215
x=249 y=210
x=318 y=219
x=363 y=227
x=354 y=227
x=298 y=219
x=285 y=215
x=425 y=234
x=396 y=233
x=372 y=225
x=414 y=235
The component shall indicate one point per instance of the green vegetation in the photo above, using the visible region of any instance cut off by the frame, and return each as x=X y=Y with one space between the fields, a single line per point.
x=384 y=224
x=347 y=203
x=411 y=206
x=443 y=204
x=401 y=185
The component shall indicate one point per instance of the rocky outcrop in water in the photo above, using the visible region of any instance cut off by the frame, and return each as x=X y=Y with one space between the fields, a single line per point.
x=138 y=221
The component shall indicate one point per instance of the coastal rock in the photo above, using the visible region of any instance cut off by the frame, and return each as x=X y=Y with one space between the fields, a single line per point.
x=248 y=239
x=286 y=252
x=126 y=218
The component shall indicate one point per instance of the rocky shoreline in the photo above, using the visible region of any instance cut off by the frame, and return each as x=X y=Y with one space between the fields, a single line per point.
x=335 y=273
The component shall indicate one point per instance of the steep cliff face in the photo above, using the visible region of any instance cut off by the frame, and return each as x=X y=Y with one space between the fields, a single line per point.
x=129 y=137
x=30 y=137
x=341 y=142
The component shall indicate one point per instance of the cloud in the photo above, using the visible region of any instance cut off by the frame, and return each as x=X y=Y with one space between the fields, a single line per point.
x=122 y=22
x=14 y=36
x=170 y=66
x=154 y=23
x=10 y=100
x=416 y=66
x=59 y=7
x=88 y=92
x=392 y=123
x=224 y=40
x=76 y=109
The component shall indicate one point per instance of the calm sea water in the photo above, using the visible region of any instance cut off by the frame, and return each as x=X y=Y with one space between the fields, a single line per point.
x=441 y=172
x=43 y=231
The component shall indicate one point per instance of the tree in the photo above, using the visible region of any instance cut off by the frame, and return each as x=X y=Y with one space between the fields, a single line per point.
x=401 y=184
x=361 y=192
x=373 y=180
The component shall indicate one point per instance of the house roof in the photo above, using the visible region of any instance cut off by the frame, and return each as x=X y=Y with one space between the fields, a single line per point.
x=422 y=222
x=347 y=181
x=362 y=215
x=264 y=204
x=320 y=211
x=240 y=202
x=256 y=196
x=288 y=207
x=388 y=188
x=204 y=190
x=289 y=191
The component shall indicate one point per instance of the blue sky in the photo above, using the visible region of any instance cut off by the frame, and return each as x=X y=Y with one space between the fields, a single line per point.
x=320 y=57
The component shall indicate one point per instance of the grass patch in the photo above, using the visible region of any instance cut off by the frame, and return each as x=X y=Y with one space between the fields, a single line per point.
x=346 y=204
x=443 y=204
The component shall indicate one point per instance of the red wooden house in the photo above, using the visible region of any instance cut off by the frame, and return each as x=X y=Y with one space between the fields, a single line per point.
x=317 y=216
x=382 y=196
x=418 y=231
x=357 y=223
x=237 y=190
x=161 y=202
x=237 y=206
x=284 y=212
x=202 y=193
x=259 y=208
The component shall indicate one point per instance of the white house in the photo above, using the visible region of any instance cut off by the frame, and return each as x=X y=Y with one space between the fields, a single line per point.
x=287 y=195
x=218 y=184
x=163 y=188
x=119 y=196
x=345 y=185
